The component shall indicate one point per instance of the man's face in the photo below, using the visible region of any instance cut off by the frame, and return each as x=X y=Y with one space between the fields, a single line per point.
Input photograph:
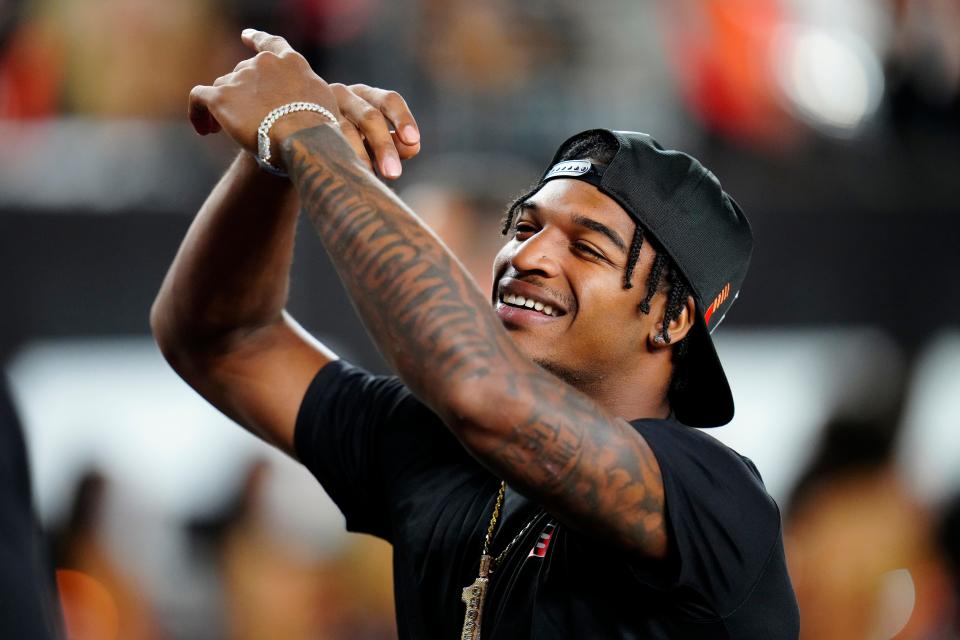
x=568 y=252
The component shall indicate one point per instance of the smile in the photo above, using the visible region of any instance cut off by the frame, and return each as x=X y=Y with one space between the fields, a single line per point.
x=520 y=302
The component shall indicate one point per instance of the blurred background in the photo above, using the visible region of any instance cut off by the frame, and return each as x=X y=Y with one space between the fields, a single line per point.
x=835 y=124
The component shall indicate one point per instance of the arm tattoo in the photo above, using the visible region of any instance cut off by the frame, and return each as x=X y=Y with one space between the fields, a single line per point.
x=439 y=333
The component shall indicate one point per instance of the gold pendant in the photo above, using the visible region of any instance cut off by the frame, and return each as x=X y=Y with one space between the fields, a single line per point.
x=473 y=596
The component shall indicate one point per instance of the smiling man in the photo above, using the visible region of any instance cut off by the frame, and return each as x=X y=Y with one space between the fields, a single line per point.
x=533 y=464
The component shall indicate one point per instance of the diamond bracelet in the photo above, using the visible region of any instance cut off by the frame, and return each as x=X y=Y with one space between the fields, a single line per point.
x=263 y=131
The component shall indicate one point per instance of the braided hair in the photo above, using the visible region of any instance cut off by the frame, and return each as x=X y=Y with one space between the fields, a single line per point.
x=601 y=146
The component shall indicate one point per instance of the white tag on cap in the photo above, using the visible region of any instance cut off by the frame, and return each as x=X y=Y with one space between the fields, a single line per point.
x=568 y=168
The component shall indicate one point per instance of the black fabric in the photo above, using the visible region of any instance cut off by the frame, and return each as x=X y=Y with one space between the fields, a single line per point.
x=681 y=204
x=396 y=472
x=28 y=606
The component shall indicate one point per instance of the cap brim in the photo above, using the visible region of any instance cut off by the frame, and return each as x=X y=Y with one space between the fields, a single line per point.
x=705 y=400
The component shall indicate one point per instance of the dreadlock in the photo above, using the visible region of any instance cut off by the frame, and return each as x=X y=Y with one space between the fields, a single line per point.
x=635 y=245
x=665 y=276
x=653 y=280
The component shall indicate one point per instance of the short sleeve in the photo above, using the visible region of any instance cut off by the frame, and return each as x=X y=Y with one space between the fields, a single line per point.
x=338 y=438
x=722 y=524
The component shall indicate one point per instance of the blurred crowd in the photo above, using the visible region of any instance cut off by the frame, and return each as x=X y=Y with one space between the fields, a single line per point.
x=493 y=84
x=754 y=70
x=246 y=579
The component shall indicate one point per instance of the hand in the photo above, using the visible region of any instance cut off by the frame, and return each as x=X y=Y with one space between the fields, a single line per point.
x=237 y=102
x=369 y=114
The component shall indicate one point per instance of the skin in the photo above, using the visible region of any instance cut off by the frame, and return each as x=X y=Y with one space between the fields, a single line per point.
x=219 y=316
x=602 y=345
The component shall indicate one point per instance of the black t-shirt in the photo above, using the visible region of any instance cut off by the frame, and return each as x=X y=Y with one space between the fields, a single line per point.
x=396 y=472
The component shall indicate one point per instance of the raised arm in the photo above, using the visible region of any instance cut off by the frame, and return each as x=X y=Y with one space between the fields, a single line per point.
x=589 y=468
x=219 y=316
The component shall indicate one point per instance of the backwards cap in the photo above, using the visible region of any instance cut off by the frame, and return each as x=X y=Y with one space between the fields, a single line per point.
x=682 y=205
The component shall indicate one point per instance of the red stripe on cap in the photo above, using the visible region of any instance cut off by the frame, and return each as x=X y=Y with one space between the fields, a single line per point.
x=719 y=300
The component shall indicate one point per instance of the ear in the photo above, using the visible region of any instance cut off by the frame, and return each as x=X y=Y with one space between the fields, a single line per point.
x=677 y=330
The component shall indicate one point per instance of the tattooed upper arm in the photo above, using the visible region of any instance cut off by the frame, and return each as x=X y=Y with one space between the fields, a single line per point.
x=591 y=470
x=429 y=318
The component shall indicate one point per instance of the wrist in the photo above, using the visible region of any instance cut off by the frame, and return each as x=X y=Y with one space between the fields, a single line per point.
x=325 y=142
x=289 y=125
x=270 y=137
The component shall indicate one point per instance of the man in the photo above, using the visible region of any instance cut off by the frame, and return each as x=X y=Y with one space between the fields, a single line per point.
x=617 y=264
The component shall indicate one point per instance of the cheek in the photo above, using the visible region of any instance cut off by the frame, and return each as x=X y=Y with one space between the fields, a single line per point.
x=502 y=260
x=611 y=317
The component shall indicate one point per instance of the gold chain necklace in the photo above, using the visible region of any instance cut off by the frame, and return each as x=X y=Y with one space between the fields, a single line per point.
x=474 y=594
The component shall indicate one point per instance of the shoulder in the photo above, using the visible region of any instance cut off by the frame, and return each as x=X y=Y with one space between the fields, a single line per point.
x=675 y=443
x=692 y=460
x=722 y=522
x=347 y=402
x=341 y=390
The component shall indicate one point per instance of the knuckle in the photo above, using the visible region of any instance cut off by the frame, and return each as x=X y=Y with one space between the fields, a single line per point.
x=295 y=58
x=265 y=57
x=353 y=136
x=370 y=116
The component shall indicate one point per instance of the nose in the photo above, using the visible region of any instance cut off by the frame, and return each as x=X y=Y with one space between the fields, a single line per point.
x=536 y=254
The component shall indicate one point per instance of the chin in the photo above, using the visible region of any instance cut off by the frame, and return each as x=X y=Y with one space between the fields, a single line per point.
x=573 y=377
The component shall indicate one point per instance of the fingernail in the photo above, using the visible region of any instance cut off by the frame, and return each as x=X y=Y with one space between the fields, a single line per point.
x=246 y=31
x=391 y=167
x=410 y=134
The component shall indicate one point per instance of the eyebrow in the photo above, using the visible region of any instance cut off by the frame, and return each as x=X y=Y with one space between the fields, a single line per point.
x=588 y=223
x=599 y=227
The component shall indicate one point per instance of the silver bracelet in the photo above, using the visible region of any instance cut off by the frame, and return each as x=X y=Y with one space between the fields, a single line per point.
x=263 y=131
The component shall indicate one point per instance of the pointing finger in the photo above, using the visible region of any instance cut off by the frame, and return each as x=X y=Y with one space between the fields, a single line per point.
x=263 y=41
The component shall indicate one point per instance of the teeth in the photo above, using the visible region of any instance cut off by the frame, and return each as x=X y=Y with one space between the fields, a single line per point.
x=520 y=301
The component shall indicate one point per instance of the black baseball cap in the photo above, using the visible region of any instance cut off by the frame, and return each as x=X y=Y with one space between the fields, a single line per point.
x=701 y=227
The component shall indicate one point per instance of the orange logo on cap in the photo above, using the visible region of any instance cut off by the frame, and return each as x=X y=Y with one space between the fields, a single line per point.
x=719 y=300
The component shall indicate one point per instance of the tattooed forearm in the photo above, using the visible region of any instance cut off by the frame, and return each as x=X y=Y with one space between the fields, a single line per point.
x=419 y=304
x=438 y=331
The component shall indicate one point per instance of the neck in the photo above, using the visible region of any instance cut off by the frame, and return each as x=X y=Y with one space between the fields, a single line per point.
x=640 y=393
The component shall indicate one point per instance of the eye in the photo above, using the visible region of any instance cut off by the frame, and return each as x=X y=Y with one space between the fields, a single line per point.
x=524 y=229
x=588 y=250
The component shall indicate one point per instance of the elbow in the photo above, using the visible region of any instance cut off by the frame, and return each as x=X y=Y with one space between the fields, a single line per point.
x=164 y=331
x=157 y=313
x=478 y=414
x=180 y=345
